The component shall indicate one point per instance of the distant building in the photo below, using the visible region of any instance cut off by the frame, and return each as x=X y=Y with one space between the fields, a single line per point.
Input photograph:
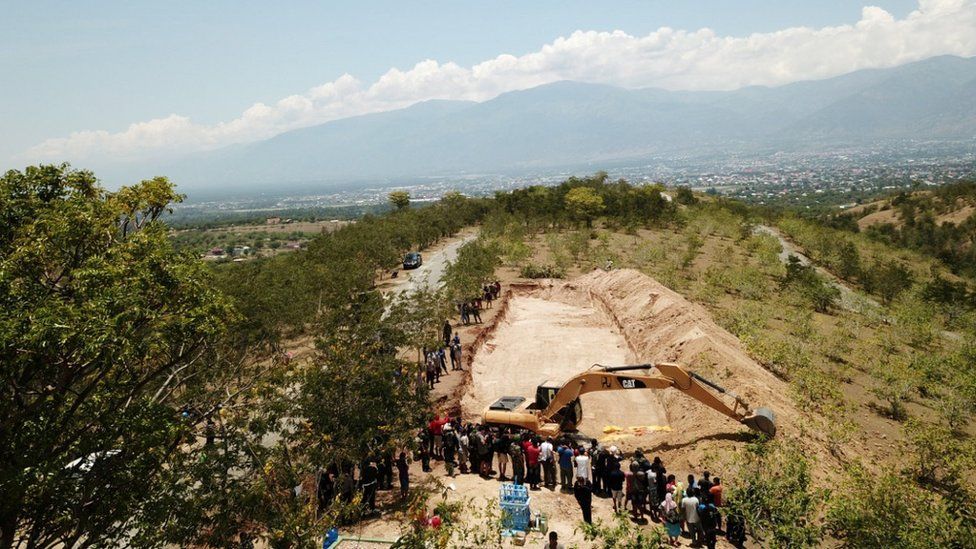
x=273 y=221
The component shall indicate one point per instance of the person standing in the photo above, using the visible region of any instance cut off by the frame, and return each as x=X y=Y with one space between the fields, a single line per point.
x=501 y=446
x=597 y=462
x=708 y=514
x=716 y=492
x=476 y=311
x=705 y=486
x=689 y=504
x=662 y=482
x=370 y=476
x=547 y=456
x=518 y=463
x=640 y=486
x=449 y=444
x=629 y=488
x=672 y=519
x=430 y=372
x=584 y=497
x=436 y=428
x=565 y=466
x=447 y=332
x=463 y=450
x=424 y=443
x=325 y=491
x=485 y=451
x=532 y=463
x=403 y=474
x=583 y=466
x=442 y=360
x=615 y=483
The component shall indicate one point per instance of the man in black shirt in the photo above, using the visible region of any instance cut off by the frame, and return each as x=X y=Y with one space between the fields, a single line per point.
x=584 y=496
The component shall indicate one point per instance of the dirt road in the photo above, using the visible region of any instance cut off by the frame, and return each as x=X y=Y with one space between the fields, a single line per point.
x=433 y=269
x=543 y=340
x=849 y=299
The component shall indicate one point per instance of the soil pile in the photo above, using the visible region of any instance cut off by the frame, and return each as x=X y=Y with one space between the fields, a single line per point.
x=662 y=326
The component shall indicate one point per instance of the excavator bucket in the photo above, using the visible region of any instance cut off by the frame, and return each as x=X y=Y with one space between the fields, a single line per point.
x=762 y=420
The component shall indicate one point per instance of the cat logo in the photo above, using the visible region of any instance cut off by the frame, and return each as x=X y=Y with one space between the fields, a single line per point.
x=628 y=383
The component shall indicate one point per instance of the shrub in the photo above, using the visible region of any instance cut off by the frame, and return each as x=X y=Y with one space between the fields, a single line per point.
x=891 y=511
x=622 y=534
x=774 y=495
x=543 y=271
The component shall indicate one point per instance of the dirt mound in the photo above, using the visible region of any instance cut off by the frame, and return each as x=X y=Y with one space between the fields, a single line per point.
x=662 y=326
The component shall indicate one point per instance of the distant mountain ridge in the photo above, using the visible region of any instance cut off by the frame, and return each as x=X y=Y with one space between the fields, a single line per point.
x=569 y=123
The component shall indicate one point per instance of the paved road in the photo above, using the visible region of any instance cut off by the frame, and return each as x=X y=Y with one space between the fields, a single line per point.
x=433 y=269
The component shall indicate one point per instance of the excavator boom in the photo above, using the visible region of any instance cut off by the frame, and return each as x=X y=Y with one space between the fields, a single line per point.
x=668 y=375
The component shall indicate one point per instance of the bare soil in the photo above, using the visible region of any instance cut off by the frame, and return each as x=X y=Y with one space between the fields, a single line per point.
x=542 y=340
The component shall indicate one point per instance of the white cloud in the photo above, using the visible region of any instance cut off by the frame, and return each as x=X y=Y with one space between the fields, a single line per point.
x=667 y=58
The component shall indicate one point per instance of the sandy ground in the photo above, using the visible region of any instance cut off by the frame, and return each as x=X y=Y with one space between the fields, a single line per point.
x=542 y=340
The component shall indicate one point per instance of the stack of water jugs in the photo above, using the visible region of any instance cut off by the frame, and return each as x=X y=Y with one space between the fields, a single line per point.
x=514 y=503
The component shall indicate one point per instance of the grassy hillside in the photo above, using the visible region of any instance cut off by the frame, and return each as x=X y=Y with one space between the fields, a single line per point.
x=884 y=376
x=939 y=223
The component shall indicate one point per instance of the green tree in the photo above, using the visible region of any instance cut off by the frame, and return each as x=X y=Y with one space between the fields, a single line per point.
x=775 y=495
x=888 y=280
x=848 y=261
x=819 y=292
x=683 y=195
x=584 y=204
x=889 y=510
x=400 y=199
x=107 y=333
x=475 y=264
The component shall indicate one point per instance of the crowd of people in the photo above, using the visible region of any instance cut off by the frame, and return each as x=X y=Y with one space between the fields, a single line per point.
x=638 y=485
x=470 y=310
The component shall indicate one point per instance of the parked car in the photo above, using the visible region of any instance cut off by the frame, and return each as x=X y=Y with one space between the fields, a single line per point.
x=412 y=260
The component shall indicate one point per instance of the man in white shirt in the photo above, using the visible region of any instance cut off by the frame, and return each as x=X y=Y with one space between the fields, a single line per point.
x=547 y=457
x=689 y=505
x=583 y=465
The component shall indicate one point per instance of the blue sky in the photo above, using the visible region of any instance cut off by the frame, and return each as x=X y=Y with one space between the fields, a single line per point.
x=102 y=66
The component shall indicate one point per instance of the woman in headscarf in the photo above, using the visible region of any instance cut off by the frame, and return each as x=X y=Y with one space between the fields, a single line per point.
x=672 y=519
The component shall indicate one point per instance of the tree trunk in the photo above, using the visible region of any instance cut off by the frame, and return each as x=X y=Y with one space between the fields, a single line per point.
x=8 y=525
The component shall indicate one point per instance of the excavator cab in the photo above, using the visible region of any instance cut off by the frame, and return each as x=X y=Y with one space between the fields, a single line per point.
x=569 y=416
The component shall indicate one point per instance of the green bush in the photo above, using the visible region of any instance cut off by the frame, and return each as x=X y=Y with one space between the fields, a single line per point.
x=892 y=511
x=774 y=494
x=543 y=271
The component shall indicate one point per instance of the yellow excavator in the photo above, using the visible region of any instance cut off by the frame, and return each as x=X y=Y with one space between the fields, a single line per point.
x=557 y=407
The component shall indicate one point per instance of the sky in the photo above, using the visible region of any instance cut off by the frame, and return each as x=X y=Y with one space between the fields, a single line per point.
x=95 y=80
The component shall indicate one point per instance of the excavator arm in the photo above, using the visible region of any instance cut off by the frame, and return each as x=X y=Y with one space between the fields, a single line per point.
x=669 y=376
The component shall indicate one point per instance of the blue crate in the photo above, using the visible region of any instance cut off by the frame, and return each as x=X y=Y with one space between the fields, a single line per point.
x=513 y=493
x=516 y=516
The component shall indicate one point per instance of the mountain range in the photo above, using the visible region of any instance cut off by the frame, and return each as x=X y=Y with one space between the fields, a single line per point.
x=572 y=123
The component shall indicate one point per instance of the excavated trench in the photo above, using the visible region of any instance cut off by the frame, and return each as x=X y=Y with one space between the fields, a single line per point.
x=555 y=330
x=541 y=339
